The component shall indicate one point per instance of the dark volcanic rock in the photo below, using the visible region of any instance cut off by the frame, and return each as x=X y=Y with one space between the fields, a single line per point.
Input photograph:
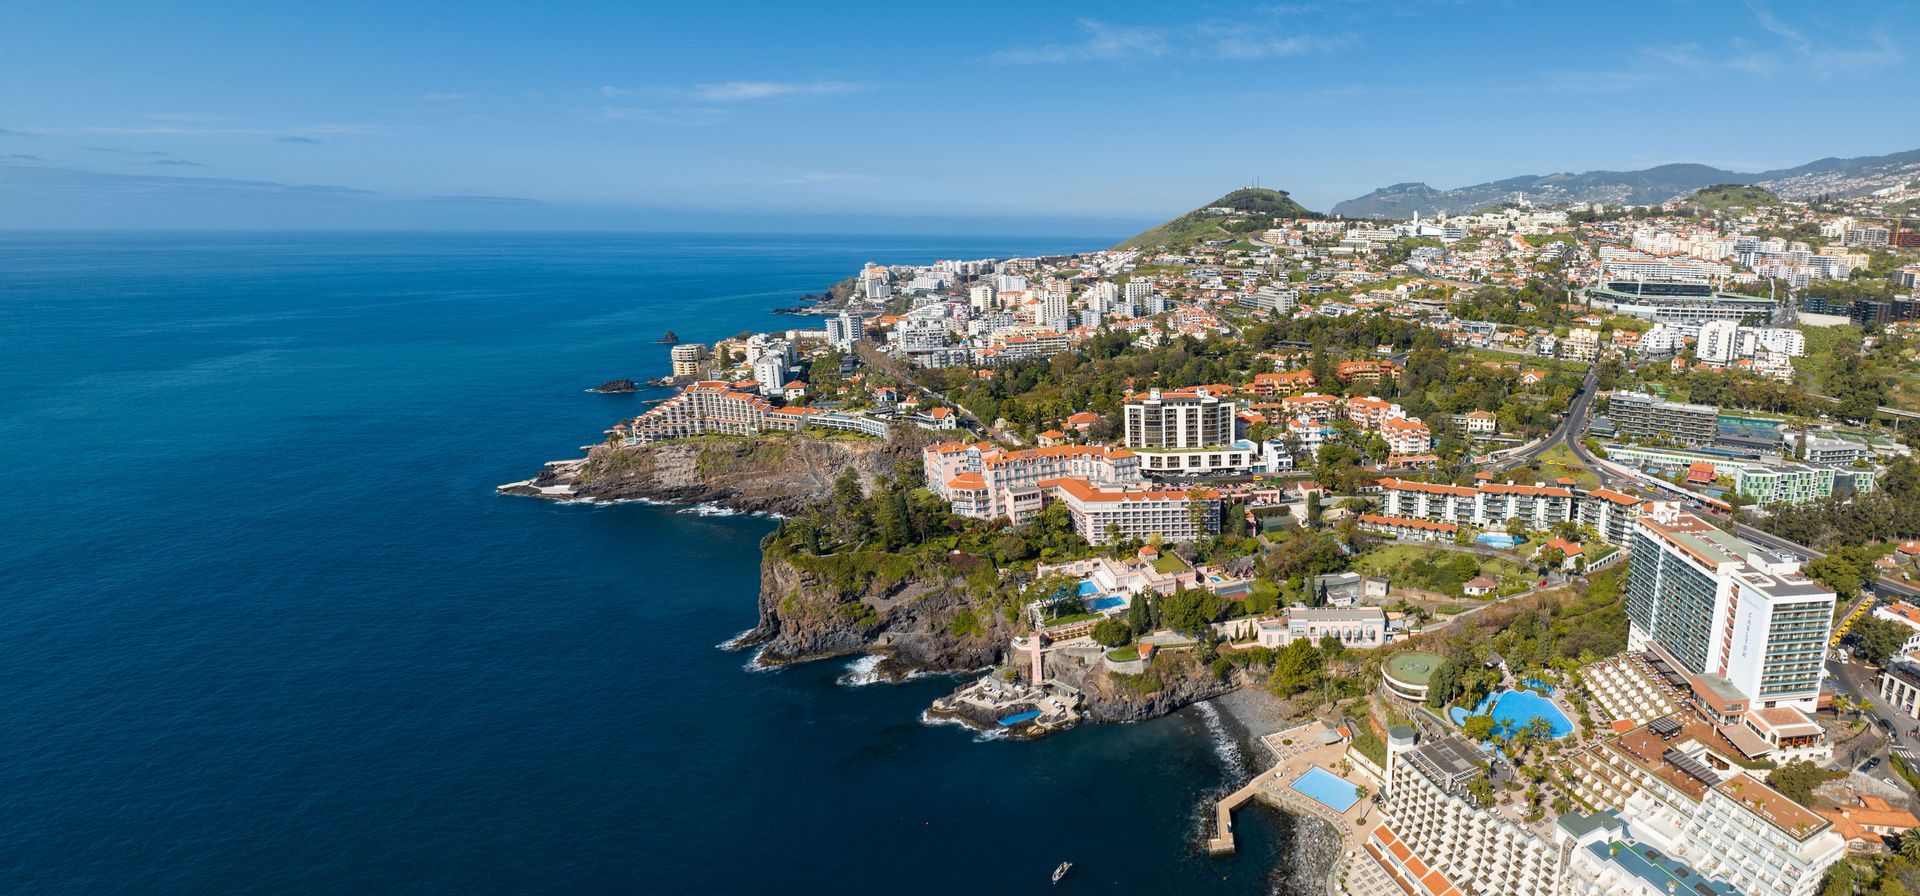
x=611 y=387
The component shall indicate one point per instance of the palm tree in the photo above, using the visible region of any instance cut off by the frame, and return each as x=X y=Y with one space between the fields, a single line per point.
x=1910 y=846
x=1539 y=728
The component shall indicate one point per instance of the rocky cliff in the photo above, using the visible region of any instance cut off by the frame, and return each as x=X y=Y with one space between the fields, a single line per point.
x=769 y=473
x=1173 y=681
x=920 y=622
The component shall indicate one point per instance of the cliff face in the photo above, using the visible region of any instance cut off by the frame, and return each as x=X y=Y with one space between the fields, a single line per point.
x=911 y=619
x=774 y=474
x=1170 y=683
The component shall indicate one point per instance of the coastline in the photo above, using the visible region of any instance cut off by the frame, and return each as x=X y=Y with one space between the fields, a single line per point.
x=1313 y=844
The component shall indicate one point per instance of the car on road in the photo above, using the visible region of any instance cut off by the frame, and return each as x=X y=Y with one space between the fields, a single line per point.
x=1870 y=764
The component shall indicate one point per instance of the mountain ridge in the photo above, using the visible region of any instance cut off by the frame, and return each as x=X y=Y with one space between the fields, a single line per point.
x=1647 y=186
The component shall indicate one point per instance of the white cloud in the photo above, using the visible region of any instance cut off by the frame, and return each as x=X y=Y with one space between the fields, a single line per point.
x=736 y=91
x=1211 y=39
x=1790 y=53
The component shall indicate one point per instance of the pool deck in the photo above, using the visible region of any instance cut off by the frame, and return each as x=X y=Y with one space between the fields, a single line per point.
x=1274 y=787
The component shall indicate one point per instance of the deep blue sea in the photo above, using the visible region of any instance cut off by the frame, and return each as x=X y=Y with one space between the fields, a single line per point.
x=265 y=627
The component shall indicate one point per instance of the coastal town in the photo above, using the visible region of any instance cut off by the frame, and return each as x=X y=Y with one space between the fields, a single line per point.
x=1573 y=545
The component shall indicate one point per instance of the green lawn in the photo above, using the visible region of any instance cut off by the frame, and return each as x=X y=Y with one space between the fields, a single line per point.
x=1072 y=618
x=1559 y=461
x=1168 y=563
x=1438 y=569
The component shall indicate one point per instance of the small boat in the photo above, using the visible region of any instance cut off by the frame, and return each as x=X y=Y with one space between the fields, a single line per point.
x=1061 y=871
x=671 y=338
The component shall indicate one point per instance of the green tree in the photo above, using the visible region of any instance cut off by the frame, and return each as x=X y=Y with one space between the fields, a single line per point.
x=1443 y=685
x=1139 y=615
x=1111 y=633
x=1478 y=727
x=1910 y=846
x=1798 y=779
x=1874 y=640
x=1296 y=668
x=1189 y=610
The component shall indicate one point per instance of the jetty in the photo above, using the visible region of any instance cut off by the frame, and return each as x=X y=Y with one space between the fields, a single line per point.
x=1298 y=751
x=1223 y=816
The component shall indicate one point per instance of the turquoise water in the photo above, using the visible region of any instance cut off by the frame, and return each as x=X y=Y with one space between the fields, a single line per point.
x=1327 y=789
x=1018 y=717
x=1100 y=604
x=1496 y=539
x=269 y=630
x=1514 y=710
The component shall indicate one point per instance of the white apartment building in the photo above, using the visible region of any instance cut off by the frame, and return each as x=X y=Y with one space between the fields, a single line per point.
x=1100 y=514
x=1491 y=504
x=1718 y=342
x=1436 y=840
x=1630 y=264
x=980 y=481
x=1684 y=800
x=1190 y=430
x=1720 y=607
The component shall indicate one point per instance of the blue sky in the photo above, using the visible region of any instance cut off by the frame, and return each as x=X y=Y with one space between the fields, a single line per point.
x=649 y=114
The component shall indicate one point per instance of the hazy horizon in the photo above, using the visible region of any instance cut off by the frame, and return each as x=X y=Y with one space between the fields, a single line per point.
x=429 y=116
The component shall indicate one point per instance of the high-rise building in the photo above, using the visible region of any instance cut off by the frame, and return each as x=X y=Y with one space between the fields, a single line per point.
x=1725 y=612
x=1178 y=418
x=1436 y=839
x=1718 y=343
x=688 y=358
x=1643 y=416
x=1188 y=430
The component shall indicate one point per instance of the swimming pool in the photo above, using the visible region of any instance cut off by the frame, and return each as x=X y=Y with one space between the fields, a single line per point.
x=1088 y=589
x=1327 y=789
x=1100 y=604
x=1496 y=539
x=1017 y=718
x=1513 y=710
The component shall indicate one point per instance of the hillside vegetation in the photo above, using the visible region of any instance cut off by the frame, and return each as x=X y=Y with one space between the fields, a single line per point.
x=1259 y=209
x=1726 y=197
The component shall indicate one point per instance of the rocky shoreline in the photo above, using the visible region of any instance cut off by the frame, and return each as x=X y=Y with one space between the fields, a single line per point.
x=907 y=623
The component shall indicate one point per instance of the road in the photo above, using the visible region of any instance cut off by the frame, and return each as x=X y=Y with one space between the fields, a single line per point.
x=1881 y=587
x=1861 y=682
x=1572 y=424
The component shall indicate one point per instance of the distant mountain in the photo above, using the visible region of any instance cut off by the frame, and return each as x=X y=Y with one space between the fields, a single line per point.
x=1231 y=217
x=1651 y=186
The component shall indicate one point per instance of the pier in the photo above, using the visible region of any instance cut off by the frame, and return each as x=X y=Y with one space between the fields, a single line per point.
x=1296 y=751
x=1223 y=815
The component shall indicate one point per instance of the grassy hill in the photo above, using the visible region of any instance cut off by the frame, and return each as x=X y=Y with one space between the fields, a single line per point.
x=1727 y=197
x=1255 y=210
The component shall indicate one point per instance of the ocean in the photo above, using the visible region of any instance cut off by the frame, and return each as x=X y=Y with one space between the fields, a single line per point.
x=267 y=627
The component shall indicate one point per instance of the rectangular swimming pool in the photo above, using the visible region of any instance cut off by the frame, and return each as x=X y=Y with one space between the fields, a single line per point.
x=1327 y=789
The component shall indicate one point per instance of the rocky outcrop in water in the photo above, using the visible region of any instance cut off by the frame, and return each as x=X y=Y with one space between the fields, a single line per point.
x=780 y=474
x=615 y=387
